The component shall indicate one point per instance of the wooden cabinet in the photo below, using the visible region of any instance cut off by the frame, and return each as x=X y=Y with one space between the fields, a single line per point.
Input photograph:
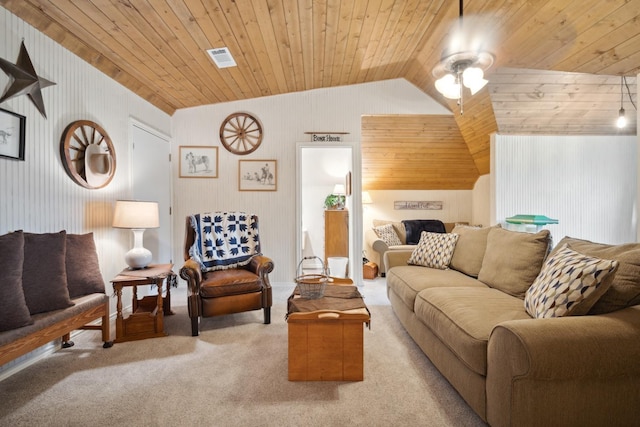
x=336 y=234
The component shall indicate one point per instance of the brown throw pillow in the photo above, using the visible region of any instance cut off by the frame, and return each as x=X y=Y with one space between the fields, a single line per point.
x=83 y=268
x=513 y=260
x=469 y=253
x=14 y=312
x=44 y=277
x=625 y=287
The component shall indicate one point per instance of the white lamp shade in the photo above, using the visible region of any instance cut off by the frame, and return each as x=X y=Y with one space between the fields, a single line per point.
x=448 y=86
x=338 y=190
x=136 y=214
x=366 y=198
x=473 y=78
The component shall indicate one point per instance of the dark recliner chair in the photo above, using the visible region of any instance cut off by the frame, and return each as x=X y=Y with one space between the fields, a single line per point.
x=216 y=293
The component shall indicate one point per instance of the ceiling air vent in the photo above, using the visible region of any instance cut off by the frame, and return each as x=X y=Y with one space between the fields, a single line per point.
x=222 y=57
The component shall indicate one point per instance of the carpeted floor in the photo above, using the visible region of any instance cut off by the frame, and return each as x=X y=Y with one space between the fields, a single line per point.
x=233 y=374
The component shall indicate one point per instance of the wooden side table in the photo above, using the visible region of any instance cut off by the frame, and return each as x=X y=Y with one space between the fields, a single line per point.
x=147 y=317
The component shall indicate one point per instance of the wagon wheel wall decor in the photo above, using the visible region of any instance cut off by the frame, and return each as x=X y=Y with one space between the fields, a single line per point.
x=87 y=154
x=241 y=133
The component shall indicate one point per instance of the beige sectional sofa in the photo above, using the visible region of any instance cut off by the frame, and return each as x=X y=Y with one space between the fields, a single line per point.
x=511 y=368
x=375 y=247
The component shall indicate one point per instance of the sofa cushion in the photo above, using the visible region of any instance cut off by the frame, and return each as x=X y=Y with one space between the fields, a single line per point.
x=434 y=250
x=469 y=253
x=221 y=283
x=415 y=227
x=44 y=277
x=83 y=268
x=388 y=235
x=14 y=312
x=407 y=281
x=397 y=226
x=568 y=284
x=513 y=259
x=625 y=287
x=463 y=318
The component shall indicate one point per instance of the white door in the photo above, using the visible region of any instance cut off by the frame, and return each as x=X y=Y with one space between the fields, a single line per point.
x=151 y=181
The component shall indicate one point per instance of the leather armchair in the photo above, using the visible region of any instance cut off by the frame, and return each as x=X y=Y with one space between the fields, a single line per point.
x=221 y=292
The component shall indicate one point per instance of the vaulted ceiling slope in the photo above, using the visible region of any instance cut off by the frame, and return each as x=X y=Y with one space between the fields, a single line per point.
x=157 y=48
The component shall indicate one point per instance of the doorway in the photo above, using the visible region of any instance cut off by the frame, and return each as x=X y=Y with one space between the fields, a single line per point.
x=319 y=168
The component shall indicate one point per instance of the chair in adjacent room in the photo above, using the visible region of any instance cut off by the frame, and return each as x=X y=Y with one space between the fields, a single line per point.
x=225 y=271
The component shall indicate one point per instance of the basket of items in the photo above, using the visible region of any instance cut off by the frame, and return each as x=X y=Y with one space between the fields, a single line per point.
x=311 y=286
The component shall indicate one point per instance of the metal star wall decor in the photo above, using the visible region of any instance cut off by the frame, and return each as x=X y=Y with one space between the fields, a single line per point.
x=23 y=80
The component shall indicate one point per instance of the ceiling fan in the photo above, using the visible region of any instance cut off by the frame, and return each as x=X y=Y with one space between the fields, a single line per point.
x=464 y=60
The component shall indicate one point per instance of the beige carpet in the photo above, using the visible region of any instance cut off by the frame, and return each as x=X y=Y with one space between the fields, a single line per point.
x=233 y=374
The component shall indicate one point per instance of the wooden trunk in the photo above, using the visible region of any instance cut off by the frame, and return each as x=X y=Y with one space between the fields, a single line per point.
x=327 y=345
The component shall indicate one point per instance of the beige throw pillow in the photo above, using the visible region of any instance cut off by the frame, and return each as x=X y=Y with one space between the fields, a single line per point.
x=434 y=250
x=513 y=259
x=470 y=248
x=397 y=226
x=387 y=234
x=625 y=287
x=569 y=284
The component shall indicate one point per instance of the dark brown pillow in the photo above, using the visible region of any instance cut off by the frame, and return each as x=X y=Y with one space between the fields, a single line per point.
x=14 y=312
x=44 y=277
x=83 y=268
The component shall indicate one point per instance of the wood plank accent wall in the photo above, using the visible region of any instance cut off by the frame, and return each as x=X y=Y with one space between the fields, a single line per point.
x=415 y=152
x=551 y=102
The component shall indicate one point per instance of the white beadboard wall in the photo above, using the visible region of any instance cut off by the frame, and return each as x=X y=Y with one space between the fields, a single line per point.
x=285 y=119
x=588 y=183
x=37 y=195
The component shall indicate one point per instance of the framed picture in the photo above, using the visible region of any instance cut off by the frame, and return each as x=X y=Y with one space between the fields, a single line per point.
x=257 y=175
x=12 y=130
x=198 y=161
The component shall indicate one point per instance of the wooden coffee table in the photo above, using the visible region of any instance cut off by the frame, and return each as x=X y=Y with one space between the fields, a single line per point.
x=326 y=337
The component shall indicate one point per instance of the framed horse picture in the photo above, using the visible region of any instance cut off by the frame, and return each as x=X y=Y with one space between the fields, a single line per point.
x=257 y=175
x=198 y=161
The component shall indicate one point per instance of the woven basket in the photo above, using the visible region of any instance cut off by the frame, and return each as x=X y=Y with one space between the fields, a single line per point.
x=311 y=286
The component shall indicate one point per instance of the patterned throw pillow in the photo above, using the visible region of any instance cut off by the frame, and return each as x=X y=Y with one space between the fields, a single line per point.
x=569 y=284
x=388 y=235
x=434 y=250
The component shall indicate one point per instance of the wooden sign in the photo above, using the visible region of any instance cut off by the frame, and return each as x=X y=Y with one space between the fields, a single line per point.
x=326 y=136
x=416 y=205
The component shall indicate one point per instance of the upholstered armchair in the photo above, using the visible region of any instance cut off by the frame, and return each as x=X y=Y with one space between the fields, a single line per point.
x=224 y=269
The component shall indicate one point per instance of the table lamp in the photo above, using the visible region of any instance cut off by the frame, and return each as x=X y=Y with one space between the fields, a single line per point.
x=136 y=216
x=339 y=190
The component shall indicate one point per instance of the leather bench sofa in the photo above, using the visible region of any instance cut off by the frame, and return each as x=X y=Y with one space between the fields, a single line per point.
x=52 y=286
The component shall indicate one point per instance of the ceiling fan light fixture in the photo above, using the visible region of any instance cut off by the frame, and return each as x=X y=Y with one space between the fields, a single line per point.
x=466 y=68
x=473 y=78
x=448 y=86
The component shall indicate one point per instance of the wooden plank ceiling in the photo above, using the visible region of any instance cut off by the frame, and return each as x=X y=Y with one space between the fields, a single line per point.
x=157 y=48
